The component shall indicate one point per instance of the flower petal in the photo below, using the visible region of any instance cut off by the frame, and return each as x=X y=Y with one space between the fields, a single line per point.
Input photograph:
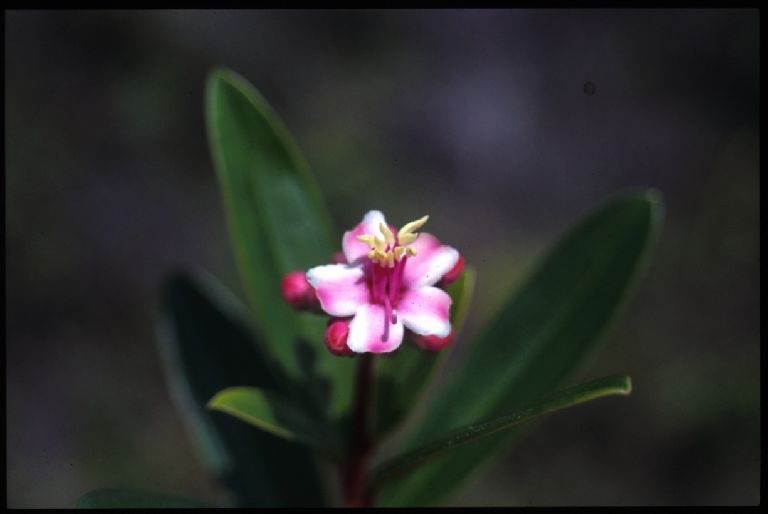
x=369 y=331
x=354 y=249
x=431 y=262
x=426 y=310
x=340 y=288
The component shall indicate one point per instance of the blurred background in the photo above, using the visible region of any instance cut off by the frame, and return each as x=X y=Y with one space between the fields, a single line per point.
x=505 y=126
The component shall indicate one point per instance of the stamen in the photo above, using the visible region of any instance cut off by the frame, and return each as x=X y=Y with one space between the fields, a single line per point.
x=387 y=317
x=396 y=279
x=388 y=236
x=411 y=227
x=379 y=284
x=367 y=239
x=378 y=256
x=387 y=252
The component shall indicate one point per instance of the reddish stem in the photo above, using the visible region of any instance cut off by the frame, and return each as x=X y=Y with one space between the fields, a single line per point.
x=355 y=470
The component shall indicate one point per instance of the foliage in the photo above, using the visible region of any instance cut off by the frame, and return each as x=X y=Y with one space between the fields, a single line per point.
x=265 y=364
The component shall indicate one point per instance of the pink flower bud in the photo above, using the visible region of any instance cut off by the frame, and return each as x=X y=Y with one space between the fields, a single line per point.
x=296 y=290
x=454 y=272
x=434 y=343
x=336 y=337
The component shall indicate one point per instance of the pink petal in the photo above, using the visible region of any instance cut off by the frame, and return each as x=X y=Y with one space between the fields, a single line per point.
x=354 y=249
x=431 y=262
x=426 y=310
x=340 y=288
x=367 y=331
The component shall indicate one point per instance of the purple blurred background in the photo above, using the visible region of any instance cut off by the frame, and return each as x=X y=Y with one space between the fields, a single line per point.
x=504 y=126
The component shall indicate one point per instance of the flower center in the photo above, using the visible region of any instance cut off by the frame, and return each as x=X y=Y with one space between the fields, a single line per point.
x=388 y=259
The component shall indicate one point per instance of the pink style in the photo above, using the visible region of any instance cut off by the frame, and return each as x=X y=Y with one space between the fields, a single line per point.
x=387 y=284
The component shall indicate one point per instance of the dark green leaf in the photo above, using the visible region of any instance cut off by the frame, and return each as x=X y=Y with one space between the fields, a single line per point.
x=274 y=414
x=403 y=375
x=539 y=338
x=619 y=384
x=277 y=220
x=135 y=499
x=461 y=292
x=207 y=348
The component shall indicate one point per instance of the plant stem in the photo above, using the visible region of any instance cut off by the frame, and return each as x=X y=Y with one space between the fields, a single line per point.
x=355 y=470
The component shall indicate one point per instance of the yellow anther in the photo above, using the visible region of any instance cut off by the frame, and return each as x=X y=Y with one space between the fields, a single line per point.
x=373 y=242
x=410 y=228
x=389 y=237
x=367 y=239
x=377 y=256
x=390 y=250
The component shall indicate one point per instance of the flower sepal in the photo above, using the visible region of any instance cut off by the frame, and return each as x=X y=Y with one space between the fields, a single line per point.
x=432 y=342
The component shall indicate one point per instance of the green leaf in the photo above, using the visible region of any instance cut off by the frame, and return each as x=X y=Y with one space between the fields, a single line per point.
x=277 y=219
x=613 y=385
x=278 y=223
x=206 y=347
x=135 y=499
x=403 y=376
x=269 y=412
x=539 y=338
x=461 y=292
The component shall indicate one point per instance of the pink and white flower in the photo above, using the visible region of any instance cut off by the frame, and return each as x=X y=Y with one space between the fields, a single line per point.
x=387 y=285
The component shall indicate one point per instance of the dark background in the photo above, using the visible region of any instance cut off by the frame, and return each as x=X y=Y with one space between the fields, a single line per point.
x=484 y=120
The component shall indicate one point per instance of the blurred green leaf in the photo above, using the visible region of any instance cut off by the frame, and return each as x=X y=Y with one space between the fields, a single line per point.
x=402 y=376
x=461 y=292
x=135 y=499
x=539 y=338
x=277 y=219
x=206 y=347
x=274 y=414
x=618 y=384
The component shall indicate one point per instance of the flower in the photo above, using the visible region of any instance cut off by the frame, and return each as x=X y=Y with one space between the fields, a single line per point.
x=387 y=284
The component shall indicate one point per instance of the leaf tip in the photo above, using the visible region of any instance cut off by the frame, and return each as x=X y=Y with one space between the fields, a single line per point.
x=654 y=196
x=219 y=78
x=219 y=73
x=656 y=200
x=627 y=385
x=215 y=402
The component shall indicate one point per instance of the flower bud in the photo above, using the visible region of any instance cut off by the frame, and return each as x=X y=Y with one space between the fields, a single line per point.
x=434 y=343
x=454 y=272
x=336 y=337
x=296 y=290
